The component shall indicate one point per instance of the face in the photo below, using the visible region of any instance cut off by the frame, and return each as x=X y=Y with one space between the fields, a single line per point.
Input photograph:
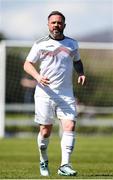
x=56 y=26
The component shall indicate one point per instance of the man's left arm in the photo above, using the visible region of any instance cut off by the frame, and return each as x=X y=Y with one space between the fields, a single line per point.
x=78 y=66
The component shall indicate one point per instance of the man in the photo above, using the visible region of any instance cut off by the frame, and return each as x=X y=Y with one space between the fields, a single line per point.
x=54 y=91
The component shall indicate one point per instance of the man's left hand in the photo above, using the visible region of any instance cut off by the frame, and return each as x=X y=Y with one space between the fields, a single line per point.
x=81 y=79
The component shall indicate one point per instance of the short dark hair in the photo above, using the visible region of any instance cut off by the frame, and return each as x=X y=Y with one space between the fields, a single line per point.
x=56 y=13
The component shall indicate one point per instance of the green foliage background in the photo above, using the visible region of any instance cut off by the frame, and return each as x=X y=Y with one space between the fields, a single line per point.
x=98 y=66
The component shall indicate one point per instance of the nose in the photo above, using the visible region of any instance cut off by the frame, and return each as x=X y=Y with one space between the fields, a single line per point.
x=56 y=24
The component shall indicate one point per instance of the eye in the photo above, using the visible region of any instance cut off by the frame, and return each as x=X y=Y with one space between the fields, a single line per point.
x=57 y=22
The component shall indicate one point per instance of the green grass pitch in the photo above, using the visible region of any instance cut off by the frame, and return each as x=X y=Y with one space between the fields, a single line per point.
x=92 y=158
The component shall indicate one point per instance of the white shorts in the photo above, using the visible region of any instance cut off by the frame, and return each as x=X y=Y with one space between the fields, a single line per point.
x=46 y=109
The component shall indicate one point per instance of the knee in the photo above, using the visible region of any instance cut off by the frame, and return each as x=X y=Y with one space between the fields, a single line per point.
x=45 y=131
x=69 y=126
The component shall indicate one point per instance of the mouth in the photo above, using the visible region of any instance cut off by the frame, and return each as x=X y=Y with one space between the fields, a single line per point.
x=56 y=31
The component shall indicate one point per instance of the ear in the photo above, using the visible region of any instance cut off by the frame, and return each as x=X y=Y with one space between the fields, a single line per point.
x=64 y=26
x=48 y=24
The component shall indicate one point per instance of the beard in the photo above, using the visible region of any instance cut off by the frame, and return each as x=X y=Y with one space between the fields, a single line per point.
x=56 y=33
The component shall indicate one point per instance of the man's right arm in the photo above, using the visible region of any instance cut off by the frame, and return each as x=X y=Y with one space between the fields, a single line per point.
x=30 y=69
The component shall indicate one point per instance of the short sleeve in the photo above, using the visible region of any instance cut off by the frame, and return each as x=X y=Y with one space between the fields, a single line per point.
x=76 y=52
x=34 y=54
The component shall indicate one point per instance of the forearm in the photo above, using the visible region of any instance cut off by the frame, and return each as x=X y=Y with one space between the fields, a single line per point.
x=78 y=66
x=30 y=69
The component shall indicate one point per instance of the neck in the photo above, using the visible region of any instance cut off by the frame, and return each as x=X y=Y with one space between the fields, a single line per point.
x=61 y=37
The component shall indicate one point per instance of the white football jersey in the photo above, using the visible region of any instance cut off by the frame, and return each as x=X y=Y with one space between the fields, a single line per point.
x=56 y=63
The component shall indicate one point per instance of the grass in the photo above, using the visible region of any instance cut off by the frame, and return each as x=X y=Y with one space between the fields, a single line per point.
x=93 y=158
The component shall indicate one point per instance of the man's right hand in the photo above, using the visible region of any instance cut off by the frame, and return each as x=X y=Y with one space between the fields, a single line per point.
x=44 y=81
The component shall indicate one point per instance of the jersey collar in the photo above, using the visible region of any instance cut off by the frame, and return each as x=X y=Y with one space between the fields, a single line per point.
x=57 y=39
